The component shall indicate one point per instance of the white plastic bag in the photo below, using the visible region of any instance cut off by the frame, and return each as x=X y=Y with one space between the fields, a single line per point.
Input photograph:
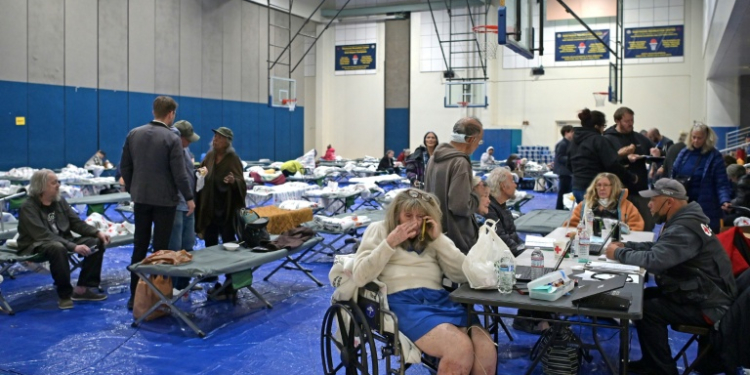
x=479 y=265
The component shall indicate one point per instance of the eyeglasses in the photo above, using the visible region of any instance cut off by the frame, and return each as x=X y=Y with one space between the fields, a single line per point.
x=603 y=185
x=417 y=194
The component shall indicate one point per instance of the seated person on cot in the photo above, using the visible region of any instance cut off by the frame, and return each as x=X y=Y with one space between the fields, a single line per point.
x=386 y=163
x=291 y=168
x=408 y=252
x=608 y=199
x=45 y=226
x=98 y=160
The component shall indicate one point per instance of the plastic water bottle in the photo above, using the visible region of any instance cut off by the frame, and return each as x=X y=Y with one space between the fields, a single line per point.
x=506 y=272
x=584 y=239
x=116 y=289
x=589 y=221
x=537 y=263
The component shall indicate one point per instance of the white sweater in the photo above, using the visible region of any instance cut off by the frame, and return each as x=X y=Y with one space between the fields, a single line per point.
x=400 y=269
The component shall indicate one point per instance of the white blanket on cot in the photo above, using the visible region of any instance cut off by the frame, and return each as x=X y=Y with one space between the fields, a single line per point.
x=340 y=277
x=342 y=224
x=98 y=221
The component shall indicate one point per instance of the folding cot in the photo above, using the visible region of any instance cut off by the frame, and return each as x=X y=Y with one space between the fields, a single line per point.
x=541 y=221
x=338 y=234
x=100 y=203
x=214 y=261
x=10 y=256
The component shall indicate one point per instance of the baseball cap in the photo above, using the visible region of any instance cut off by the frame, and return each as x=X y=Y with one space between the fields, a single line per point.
x=186 y=130
x=666 y=187
x=226 y=132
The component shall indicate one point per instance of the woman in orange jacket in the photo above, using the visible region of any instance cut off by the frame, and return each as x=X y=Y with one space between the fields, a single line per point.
x=608 y=199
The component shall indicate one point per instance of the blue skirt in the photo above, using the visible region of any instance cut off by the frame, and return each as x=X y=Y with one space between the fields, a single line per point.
x=420 y=310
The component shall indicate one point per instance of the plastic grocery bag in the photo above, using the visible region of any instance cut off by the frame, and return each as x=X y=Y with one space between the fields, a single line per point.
x=479 y=265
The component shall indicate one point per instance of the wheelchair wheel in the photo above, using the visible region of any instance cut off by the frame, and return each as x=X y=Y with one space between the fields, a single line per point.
x=355 y=353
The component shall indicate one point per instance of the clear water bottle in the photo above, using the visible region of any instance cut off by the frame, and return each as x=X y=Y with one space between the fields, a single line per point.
x=584 y=239
x=589 y=221
x=537 y=263
x=506 y=272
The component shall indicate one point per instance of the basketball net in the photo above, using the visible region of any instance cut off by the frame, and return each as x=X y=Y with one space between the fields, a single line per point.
x=464 y=108
x=600 y=98
x=487 y=38
x=291 y=103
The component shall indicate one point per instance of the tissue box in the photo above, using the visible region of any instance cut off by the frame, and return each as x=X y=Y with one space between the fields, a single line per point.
x=549 y=278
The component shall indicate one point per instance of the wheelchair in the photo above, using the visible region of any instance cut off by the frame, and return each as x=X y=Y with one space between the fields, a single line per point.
x=367 y=332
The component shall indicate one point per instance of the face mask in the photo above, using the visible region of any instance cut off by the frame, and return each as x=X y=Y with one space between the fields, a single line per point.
x=604 y=202
x=659 y=218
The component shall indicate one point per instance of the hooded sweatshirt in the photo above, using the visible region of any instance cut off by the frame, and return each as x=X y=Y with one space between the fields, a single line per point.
x=487 y=160
x=643 y=146
x=689 y=262
x=590 y=154
x=449 y=177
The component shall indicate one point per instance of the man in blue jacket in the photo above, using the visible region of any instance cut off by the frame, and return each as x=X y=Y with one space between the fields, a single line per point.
x=693 y=273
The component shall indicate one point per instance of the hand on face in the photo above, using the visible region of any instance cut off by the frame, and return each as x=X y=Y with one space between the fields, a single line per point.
x=403 y=232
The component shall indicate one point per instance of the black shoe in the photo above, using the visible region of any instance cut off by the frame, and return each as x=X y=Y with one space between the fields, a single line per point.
x=131 y=301
x=88 y=295
x=640 y=367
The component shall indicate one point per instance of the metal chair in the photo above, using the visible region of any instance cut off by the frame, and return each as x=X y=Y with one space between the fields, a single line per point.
x=696 y=333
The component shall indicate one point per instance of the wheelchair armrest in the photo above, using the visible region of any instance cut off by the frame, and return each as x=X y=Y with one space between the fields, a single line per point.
x=371 y=286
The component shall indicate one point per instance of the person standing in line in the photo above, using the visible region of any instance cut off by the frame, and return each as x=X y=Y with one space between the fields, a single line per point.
x=416 y=163
x=153 y=169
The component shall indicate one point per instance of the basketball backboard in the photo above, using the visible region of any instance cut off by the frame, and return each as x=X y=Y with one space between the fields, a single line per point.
x=281 y=91
x=465 y=94
x=517 y=16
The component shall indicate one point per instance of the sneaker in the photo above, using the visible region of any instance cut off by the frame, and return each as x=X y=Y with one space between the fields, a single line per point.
x=88 y=295
x=65 y=303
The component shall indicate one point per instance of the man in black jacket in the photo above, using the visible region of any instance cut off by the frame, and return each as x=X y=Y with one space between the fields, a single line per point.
x=632 y=149
x=694 y=278
x=153 y=167
x=45 y=226
x=564 y=176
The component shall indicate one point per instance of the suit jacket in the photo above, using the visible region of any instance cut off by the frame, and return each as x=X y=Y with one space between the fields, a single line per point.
x=153 y=166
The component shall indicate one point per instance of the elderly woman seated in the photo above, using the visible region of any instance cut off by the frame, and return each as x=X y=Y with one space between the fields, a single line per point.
x=503 y=188
x=408 y=252
x=608 y=199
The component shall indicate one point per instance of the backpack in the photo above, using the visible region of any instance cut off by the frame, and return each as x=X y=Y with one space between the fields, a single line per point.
x=251 y=228
x=564 y=353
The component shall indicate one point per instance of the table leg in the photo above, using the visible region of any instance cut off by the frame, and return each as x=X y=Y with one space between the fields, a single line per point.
x=624 y=345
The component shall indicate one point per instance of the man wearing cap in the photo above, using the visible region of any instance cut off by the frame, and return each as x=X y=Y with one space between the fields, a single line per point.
x=694 y=278
x=224 y=190
x=153 y=169
x=449 y=176
x=183 y=229
x=487 y=160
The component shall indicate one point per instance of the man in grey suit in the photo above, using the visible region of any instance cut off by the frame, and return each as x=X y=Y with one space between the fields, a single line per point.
x=153 y=168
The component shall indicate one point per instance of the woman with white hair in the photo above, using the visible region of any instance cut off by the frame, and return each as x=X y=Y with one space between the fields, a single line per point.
x=700 y=167
x=410 y=254
x=487 y=160
x=503 y=188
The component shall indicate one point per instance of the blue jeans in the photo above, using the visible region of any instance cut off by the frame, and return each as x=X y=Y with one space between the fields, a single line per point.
x=183 y=238
x=578 y=194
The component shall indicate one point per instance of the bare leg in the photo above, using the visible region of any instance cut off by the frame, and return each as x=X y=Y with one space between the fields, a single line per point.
x=485 y=352
x=452 y=345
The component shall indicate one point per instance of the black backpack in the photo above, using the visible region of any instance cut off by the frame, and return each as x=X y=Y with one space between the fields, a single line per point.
x=251 y=228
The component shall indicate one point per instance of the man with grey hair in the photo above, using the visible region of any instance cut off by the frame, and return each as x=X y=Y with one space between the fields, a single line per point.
x=448 y=177
x=45 y=227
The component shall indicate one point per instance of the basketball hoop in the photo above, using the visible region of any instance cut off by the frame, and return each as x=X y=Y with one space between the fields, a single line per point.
x=463 y=104
x=600 y=97
x=489 y=45
x=291 y=103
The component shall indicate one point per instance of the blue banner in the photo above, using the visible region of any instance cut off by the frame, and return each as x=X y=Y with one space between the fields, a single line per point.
x=657 y=41
x=581 y=46
x=355 y=57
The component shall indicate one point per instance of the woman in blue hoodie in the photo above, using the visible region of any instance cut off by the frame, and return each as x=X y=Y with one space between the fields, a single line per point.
x=700 y=167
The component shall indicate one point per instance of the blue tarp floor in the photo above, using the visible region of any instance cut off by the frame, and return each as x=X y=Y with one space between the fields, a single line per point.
x=96 y=337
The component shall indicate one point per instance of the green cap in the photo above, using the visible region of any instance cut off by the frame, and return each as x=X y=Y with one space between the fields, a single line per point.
x=186 y=131
x=226 y=132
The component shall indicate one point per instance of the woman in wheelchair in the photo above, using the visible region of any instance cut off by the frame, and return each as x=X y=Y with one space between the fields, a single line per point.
x=408 y=252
